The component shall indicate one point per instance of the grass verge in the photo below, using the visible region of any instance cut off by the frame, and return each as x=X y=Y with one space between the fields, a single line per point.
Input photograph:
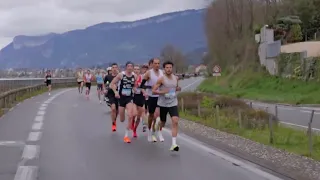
x=263 y=87
x=254 y=123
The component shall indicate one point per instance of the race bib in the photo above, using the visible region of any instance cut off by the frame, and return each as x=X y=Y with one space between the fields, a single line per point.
x=171 y=94
x=126 y=92
x=49 y=78
x=138 y=91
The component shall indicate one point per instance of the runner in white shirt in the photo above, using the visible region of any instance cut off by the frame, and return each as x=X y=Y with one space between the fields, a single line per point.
x=88 y=77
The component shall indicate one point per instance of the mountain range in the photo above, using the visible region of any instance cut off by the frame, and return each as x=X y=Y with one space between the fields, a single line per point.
x=136 y=41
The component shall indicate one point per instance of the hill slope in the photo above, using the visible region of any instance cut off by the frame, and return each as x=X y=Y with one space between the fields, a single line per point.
x=106 y=42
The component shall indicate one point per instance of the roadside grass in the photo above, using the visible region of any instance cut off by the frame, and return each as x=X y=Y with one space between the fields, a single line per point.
x=264 y=87
x=254 y=127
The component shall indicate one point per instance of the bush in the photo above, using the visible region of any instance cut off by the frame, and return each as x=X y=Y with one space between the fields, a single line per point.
x=229 y=108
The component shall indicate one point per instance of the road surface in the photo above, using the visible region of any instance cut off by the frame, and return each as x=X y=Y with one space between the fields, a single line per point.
x=66 y=137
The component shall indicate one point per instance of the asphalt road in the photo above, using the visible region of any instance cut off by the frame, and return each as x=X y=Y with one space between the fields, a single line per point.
x=66 y=137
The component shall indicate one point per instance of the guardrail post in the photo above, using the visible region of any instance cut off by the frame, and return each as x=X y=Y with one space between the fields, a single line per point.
x=217 y=115
x=239 y=118
x=310 y=133
x=199 y=108
x=182 y=104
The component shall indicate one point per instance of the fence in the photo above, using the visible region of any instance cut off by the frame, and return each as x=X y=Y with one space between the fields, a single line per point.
x=12 y=89
x=254 y=123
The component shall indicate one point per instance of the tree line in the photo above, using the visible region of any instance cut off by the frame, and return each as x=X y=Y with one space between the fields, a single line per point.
x=232 y=24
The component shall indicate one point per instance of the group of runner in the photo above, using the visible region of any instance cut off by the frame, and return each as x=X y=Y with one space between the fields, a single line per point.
x=140 y=92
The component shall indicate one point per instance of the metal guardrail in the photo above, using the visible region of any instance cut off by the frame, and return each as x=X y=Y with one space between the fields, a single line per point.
x=7 y=84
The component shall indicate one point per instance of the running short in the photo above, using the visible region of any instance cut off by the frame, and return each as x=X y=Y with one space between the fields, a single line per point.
x=152 y=104
x=99 y=87
x=173 y=111
x=79 y=82
x=48 y=82
x=113 y=100
x=124 y=100
x=88 y=85
x=139 y=100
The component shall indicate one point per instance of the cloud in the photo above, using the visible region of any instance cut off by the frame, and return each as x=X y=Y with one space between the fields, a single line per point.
x=34 y=17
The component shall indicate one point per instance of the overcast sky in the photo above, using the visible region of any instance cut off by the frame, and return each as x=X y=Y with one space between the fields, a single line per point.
x=34 y=17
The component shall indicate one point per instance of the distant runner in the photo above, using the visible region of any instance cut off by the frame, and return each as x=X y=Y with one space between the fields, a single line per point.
x=88 y=77
x=138 y=100
x=79 y=76
x=125 y=96
x=48 y=81
x=110 y=96
x=166 y=87
x=99 y=79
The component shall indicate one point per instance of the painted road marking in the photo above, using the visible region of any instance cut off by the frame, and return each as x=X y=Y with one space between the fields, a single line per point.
x=297 y=125
x=26 y=173
x=185 y=87
x=37 y=126
x=30 y=152
x=42 y=108
x=41 y=113
x=34 y=136
x=38 y=118
x=12 y=143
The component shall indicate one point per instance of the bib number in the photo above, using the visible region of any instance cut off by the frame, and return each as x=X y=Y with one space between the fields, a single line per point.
x=49 y=78
x=138 y=91
x=126 y=92
x=171 y=94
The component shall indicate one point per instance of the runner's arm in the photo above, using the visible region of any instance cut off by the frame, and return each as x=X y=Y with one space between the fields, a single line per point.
x=145 y=79
x=113 y=83
x=178 y=88
x=156 y=87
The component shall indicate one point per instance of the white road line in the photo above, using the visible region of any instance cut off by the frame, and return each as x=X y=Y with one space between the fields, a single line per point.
x=26 y=173
x=11 y=143
x=41 y=113
x=38 y=118
x=191 y=84
x=34 y=136
x=225 y=157
x=42 y=108
x=30 y=152
x=37 y=126
x=44 y=105
x=297 y=125
x=285 y=108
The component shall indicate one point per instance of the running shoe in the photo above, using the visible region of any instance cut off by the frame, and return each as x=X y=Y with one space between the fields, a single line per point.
x=149 y=137
x=126 y=139
x=154 y=138
x=161 y=139
x=135 y=134
x=174 y=148
x=114 y=127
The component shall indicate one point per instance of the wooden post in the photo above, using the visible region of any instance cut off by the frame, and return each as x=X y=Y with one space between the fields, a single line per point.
x=199 y=108
x=310 y=133
x=270 y=126
x=239 y=118
x=276 y=111
x=182 y=104
x=217 y=115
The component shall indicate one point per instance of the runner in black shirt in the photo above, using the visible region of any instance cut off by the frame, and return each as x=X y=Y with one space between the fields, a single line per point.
x=112 y=101
x=48 y=80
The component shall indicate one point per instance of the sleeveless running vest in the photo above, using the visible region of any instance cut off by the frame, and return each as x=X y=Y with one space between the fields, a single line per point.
x=153 y=80
x=138 y=83
x=99 y=79
x=88 y=78
x=169 y=99
x=126 y=85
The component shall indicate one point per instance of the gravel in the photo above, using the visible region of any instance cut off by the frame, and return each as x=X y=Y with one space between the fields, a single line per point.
x=303 y=166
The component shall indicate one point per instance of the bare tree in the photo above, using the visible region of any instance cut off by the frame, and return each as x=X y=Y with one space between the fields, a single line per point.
x=170 y=53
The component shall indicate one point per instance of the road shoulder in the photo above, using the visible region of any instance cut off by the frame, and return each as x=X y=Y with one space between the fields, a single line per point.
x=275 y=161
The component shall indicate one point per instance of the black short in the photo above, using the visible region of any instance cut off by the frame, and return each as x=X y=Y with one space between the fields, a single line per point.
x=80 y=82
x=113 y=100
x=88 y=85
x=124 y=100
x=48 y=82
x=173 y=111
x=139 y=100
x=152 y=104
x=99 y=87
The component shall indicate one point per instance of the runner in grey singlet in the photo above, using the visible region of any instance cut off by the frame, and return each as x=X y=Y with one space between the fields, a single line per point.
x=169 y=99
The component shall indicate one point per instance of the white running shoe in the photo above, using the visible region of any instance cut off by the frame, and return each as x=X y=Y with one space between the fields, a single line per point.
x=49 y=94
x=161 y=139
